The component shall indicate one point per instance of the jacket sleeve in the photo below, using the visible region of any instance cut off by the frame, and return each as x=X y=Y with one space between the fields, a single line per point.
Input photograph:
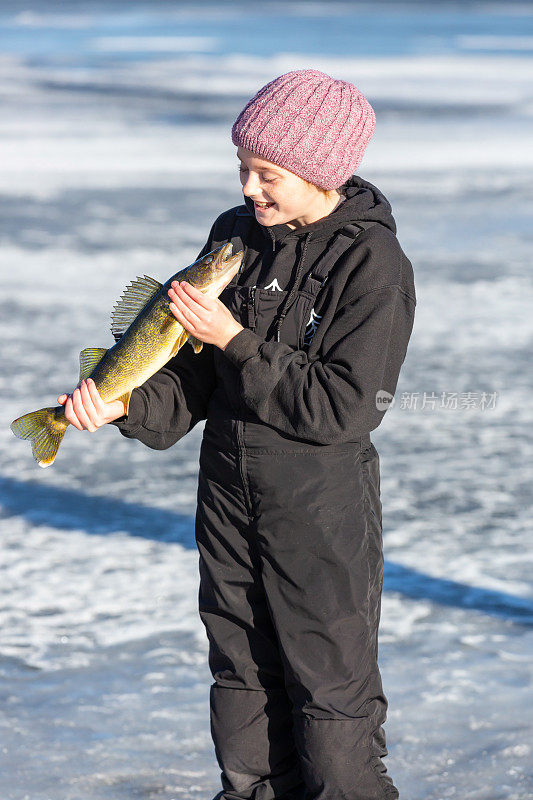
x=329 y=398
x=170 y=403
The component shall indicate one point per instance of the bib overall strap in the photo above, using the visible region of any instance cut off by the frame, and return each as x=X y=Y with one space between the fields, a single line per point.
x=235 y=230
x=242 y=226
x=343 y=241
x=319 y=274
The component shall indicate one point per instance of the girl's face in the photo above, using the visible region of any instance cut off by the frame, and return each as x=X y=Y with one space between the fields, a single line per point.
x=283 y=197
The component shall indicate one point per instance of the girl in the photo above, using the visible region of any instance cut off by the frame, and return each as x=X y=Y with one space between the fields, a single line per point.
x=302 y=356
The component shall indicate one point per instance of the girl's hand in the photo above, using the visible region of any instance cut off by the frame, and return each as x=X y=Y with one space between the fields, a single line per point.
x=207 y=318
x=86 y=410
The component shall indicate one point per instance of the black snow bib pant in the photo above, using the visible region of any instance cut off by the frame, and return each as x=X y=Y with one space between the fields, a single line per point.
x=288 y=522
x=291 y=566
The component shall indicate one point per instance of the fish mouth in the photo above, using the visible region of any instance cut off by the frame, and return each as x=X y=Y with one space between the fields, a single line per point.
x=226 y=255
x=228 y=264
x=212 y=277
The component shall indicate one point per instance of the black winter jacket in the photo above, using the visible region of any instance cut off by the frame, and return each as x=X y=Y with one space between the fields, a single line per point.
x=323 y=392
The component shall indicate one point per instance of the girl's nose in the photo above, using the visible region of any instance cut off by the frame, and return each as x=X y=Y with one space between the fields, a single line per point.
x=250 y=185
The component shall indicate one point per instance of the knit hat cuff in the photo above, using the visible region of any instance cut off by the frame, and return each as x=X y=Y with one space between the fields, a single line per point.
x=272 y=152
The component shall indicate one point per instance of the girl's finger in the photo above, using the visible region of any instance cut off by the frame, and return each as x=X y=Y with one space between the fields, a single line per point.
x=88 y=405
x=95 y=397
x=62 y=399
x=71 y=415
x=79 y=410
x=198 y=296
x=180 y=318
x=192 y=304
x=189 y=315
x=172 y=294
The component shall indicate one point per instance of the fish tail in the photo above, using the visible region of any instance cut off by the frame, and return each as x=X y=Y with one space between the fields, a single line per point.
x=45 y=429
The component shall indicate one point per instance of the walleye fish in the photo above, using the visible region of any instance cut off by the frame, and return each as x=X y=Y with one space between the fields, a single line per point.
x=147 y=335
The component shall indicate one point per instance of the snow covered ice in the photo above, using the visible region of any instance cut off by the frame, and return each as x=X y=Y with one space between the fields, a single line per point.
x=115 y=158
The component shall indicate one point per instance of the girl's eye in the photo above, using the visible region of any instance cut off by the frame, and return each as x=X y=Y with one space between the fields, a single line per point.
x=245 y=169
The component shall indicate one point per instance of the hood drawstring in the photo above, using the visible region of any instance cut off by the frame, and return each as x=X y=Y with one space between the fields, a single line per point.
x=293 y=289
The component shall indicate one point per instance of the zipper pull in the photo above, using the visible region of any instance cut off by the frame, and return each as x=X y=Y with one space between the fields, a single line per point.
x=251 y=308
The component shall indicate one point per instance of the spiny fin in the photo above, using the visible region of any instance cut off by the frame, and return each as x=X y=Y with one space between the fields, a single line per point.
x=125 y=400
x=89 y=360
x=196 y=343
x=135 y=297
x=180 y=341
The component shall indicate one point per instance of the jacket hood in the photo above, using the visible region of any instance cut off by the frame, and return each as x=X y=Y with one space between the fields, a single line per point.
x=364 y=202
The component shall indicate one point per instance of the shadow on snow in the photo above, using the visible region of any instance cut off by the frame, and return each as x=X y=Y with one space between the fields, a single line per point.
x=67 y=509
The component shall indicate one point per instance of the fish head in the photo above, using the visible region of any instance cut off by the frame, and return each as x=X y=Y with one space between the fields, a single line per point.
x=211 y=273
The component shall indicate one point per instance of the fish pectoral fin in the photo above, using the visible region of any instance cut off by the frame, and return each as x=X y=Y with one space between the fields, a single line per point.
x=135 y=297
x=89 y=360
x=125 y=400
x=196 y=343
x=180 y=341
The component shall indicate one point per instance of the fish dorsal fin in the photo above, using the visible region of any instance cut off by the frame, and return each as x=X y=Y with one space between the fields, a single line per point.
x=89 y=360
x=135 y=297
x=196 y=343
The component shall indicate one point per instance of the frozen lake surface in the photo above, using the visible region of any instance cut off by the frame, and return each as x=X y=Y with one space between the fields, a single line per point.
x=115 y=157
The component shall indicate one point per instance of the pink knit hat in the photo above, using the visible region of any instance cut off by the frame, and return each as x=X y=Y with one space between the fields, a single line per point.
x=309 y=123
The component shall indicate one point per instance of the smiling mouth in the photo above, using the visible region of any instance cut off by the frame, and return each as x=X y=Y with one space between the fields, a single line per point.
x=262 y=205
